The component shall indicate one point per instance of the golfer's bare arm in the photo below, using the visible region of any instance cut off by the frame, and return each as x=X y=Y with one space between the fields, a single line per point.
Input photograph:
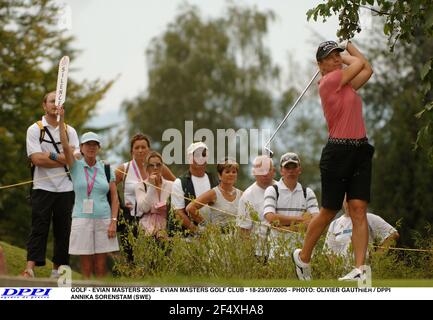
x=365 y=73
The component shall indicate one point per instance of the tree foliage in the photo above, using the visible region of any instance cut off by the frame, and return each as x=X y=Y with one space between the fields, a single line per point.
x=405 y=23
x=31 y=45
x=216 y=72
x=402 y=178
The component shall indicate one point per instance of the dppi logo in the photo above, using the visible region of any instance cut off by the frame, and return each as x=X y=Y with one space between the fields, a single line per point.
x=29 y=293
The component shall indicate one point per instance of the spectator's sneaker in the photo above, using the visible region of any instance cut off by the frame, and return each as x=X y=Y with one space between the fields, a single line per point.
x=54 y=274
x=354 y=275
x=303 y=270
x=28 y=273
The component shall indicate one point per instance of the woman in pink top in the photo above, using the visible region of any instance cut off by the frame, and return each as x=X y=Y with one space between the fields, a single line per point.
x=151 y=197
x=345 y=164
x=129 y=175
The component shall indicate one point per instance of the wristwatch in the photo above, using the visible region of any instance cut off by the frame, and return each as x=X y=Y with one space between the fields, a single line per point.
x=114 y=219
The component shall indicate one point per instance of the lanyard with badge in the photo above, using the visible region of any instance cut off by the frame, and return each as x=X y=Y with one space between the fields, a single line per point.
x=88 y=203
x=137 y=173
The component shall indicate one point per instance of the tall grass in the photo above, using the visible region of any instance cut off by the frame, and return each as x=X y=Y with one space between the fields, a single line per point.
x=232 y=255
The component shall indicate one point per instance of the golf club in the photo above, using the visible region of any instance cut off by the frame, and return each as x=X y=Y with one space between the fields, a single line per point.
x=267 y=144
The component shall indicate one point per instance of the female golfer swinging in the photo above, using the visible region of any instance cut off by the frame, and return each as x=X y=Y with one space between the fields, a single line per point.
x=345 y=164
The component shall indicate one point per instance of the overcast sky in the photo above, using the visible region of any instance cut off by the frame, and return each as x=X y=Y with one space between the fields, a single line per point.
x=113 y=36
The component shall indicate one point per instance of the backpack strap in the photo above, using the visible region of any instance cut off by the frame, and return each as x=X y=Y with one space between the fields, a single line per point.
x=42 y=132
x=174 y=225
x=276 y=191
x=52 y=140
x=187 y=187
x=189 y=193
x=58 y=151
x=107 y=171
x=108 y=176
x=213 y=180
x=304 y=190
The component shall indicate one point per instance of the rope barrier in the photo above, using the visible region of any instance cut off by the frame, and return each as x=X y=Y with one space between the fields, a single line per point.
x=235 y=215
x=404 y=249
x=213 y=208
x=31 y=181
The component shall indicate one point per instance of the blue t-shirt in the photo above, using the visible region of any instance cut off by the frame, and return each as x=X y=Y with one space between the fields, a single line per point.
x=101 y=207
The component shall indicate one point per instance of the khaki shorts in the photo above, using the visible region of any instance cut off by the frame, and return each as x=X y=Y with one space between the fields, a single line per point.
x=90 y=236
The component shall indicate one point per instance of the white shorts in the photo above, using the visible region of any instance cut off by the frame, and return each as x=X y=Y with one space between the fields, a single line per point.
x=90 y=236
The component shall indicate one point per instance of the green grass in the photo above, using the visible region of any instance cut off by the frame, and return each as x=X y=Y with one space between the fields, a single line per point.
x=215 y=259
x=229 y=260
x=16 y=259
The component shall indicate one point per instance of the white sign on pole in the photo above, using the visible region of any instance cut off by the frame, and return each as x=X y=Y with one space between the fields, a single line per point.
x=62 y=82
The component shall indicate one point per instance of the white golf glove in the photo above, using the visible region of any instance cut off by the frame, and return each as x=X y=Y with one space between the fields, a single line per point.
x=343 y=44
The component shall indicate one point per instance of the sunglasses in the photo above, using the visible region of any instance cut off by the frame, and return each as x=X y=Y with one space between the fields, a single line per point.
x=154 y=165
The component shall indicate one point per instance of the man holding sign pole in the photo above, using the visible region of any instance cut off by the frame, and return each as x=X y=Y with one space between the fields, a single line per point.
x=52 y=196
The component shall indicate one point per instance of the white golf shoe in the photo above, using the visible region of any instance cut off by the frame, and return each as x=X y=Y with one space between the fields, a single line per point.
x=303 y=270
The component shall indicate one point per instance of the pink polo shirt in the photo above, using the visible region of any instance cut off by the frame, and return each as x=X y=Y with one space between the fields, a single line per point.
x=342 y=107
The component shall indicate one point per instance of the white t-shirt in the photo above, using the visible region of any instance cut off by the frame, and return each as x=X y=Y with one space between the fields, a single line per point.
x=339 y=236
x=201 y=185
x=56 y=178
x=289 y=203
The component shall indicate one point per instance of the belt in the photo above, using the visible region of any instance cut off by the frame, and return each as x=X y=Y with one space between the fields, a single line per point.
x=349 y=142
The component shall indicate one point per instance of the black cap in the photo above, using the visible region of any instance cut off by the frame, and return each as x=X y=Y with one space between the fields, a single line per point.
x=325 y=48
